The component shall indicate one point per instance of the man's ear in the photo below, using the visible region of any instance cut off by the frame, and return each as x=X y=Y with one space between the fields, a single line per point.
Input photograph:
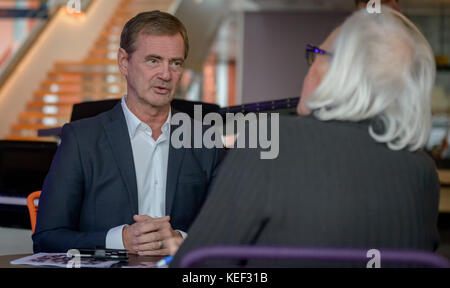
x=122 y=60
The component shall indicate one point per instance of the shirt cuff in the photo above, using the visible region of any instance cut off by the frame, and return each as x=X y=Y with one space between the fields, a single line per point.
x=114 y=238
x=183 y=234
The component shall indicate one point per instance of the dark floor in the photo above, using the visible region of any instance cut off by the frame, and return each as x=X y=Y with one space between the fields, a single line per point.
x=444 y=233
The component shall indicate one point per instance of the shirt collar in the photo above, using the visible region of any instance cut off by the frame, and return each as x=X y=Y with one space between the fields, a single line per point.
x=133 y=123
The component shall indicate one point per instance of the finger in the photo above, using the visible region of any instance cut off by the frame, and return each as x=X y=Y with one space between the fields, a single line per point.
x=148 y=227
x=140 y=218
x=141 y=228
x=159 y=252
x=159 y=235
x=148 y=246
x=148 y=238
x=145 y=218
x=173 y=244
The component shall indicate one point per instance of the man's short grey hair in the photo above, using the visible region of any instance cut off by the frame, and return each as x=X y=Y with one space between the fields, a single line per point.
x=382 y=68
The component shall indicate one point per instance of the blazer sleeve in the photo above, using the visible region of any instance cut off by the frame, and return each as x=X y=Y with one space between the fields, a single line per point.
x=59 y=210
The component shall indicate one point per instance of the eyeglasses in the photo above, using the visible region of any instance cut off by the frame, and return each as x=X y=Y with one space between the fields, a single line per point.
x=312 y=51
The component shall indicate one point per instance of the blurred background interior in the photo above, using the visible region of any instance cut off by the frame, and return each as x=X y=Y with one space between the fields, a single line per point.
x=246 y=55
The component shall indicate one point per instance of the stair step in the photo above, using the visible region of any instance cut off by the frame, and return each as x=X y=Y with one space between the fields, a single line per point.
x=84 y=86
x=42 y=118
x=83 y=67
x=74 y=98
x=59 y=74
x=105 y=81
x=57 y=108
x=40 y=115
x=22 y=126
x=41 y=104
x=87 y=62
x=118 y=88
x=107 y=45
x=47 y=121
x=41 y=93
x=108 y=52
x=102 y=50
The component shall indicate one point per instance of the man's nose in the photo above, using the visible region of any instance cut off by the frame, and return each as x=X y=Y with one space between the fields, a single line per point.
x=165 y=72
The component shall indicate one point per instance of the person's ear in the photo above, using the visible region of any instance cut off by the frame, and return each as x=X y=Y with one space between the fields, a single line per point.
x=122 y=60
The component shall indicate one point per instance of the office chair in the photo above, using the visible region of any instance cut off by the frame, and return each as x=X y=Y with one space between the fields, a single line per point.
x=93 y=108
x=325 y=255
x=33 y=208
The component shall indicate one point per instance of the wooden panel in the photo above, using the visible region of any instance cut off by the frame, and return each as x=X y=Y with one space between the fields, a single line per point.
x=444 y=201
x=444 y=176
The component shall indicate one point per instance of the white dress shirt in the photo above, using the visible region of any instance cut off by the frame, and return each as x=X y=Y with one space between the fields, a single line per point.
x=150 y=162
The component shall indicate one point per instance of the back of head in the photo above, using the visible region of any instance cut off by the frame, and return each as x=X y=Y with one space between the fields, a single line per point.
x=382 y=67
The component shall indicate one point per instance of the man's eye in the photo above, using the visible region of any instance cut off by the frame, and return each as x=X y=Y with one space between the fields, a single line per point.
x=177 y=63
x=152 y=61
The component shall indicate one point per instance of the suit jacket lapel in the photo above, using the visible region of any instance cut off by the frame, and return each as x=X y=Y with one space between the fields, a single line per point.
x=173 y=170
x=119 y=138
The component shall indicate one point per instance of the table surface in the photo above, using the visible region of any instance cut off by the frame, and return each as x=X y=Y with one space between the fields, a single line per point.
x=133 y=260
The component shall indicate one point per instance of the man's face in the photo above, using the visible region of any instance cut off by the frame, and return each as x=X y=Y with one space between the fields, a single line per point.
x=154 y=69
x=316 y=73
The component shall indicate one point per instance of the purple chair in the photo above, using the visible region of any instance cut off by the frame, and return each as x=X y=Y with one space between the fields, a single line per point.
x=327 y=255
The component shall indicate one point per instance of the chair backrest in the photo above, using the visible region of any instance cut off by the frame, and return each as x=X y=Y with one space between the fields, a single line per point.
x=187 y=107
x=33 y=208
x=93 y=108
x=327 y=255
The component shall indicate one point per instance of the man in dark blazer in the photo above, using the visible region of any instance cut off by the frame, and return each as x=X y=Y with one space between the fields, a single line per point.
x=116 y=181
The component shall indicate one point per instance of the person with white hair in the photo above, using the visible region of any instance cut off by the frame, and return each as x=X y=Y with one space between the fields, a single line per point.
x=389 y=74
x=351 y=172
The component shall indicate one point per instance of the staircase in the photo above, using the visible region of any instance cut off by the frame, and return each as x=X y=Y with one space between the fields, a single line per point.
x=97 y=77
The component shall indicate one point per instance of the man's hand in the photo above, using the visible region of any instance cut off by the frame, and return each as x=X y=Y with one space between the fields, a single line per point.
x=148 y=235
x=173 y=244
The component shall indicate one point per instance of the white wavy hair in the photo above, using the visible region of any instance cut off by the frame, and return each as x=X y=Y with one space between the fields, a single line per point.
x=382 y=68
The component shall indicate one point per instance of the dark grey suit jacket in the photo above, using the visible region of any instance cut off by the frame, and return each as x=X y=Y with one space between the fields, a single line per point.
x=331 y=186
x=91 y=186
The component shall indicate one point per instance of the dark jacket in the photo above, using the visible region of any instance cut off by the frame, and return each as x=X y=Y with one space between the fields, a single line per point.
x=332 y=185
x=91 y=186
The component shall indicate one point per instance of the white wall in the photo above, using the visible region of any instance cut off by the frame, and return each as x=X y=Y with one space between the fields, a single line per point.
x=273 y=60
x=66 y=38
